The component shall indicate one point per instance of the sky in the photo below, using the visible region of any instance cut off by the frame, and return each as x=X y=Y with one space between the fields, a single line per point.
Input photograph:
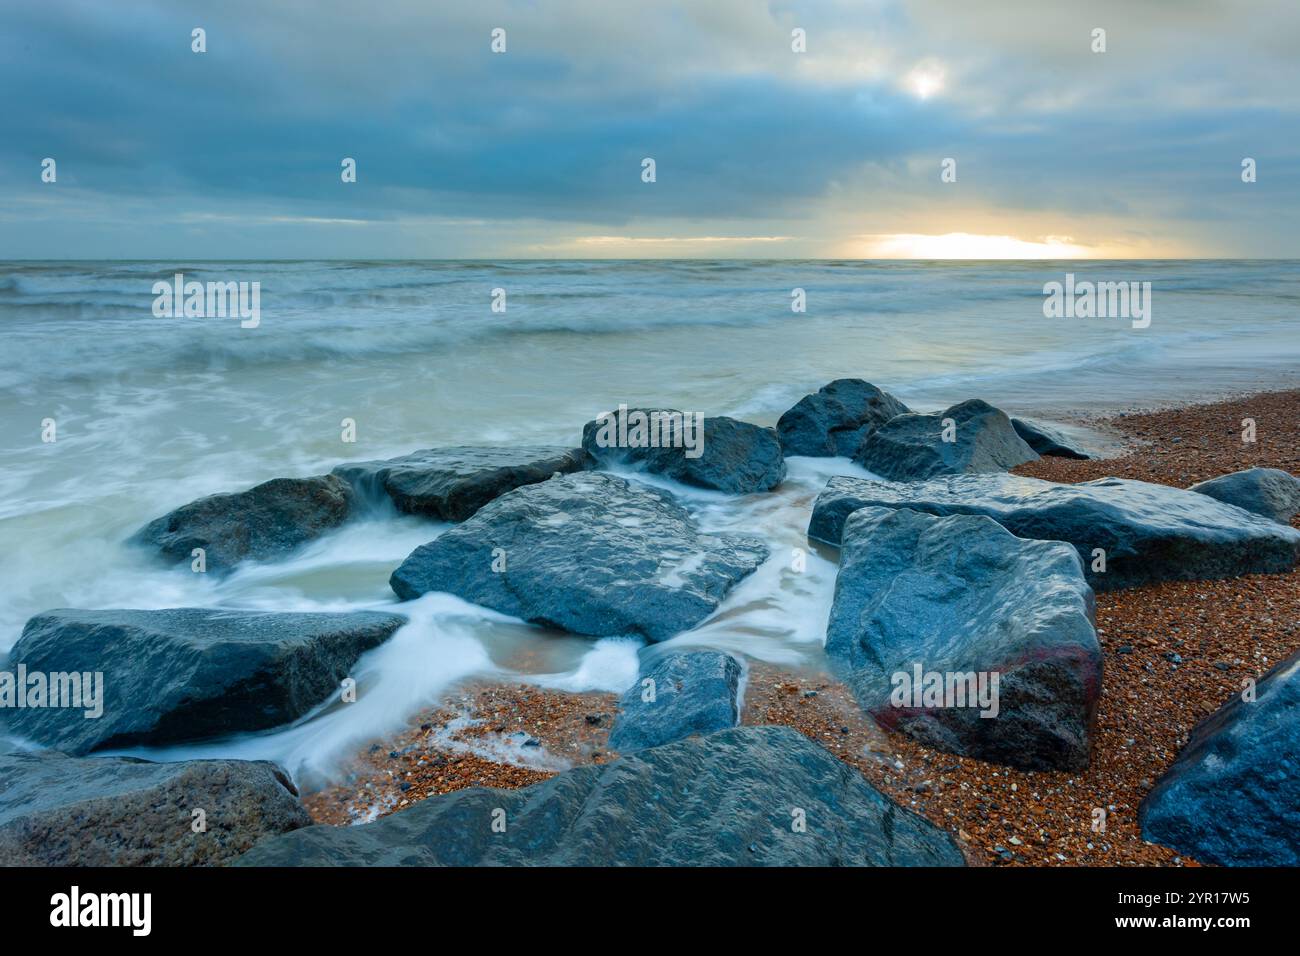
x=759 y=151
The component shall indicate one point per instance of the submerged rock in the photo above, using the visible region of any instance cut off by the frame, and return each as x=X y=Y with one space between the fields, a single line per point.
x=835 y=419
x=452 y=483
x=1148 y=532
x=186 y=673
x=1047 y=440
x=912 y=447
x=589 y=553
x=265 y=522
x=725 y=455
x=57 y=810
x=1270 y=492
x=732 y=798
x=1005 y=622
x=1232 y=797
x=696 y=692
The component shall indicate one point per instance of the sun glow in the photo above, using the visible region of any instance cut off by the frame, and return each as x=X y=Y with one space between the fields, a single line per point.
x=965 y=245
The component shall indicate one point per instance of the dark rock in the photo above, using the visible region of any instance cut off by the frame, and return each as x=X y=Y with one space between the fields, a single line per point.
x=726 y=799
x=694 y=693
x=911 y=447
x=963 y=597
x=263 y=523
x=1149 y=532
x=115 y=811
x=589 y=553
x=1270 y=492
x=729 y=455
x=1047 y=440
x=835 y=419
x=1232 y=797
x=451 y=484
x=188 y=673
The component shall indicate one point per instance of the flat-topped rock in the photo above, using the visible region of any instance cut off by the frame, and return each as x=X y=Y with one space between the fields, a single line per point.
x=57 y=810
x=727 y=799
x=836 y=418
x=590 y=553
x=184 y=674
x=452 y=483
x=724 y=454
x=1148 y=532
x=1232 y=797
x=912 y=447
x=693 y=692
x=263 y=523
x=1270 y=492
x=1047 y=440
x=967 y=638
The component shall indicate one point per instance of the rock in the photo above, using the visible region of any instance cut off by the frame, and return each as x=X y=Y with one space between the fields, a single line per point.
x=729 y=799
x=260 y=524
x=589 y=553
x=1047 y=440
x=451 y=484
x=1270 y=492
x=1232 y=797
x=1149 y=532
x=57 y=810
x=835 y=419
x=729 y=455
x=187 y=673
x=911 y=447
x=961 y=597
x=694 y=693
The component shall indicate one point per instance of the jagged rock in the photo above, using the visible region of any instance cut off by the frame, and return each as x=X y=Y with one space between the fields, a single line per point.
x=918 y=596
x=260 y=524
x=911 y=447
x=452 y=483
x=1148 y=532
x=1047 y=440
x=835 y=419
x=187 y=673
x=695 y=692
x=727 y=799
x=57 y=810
x=1270 y=492
x=590 y=553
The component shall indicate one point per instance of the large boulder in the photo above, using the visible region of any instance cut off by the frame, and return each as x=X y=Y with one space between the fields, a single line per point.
x=57 y=810
x=1233 y=795
x=1148 y=532
x=835 y=419
x=724 y=454
x=260 y=524
x=912 y=447
x=1270 y=492
x=695 y=692
x=451 y=484
x=1047 y=440
x=967 y=638
x=590 y=553
x=729 y=799
x=185 y=673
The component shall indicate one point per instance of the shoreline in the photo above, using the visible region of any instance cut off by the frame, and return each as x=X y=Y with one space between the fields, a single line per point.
x=1173 y=652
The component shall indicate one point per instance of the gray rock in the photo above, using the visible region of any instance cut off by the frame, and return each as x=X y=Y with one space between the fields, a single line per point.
x=962 y=597
x=695 y=692
x=728 y=799
x=1270 y=492
x=451 y=484
x=187 y=673
x=911 y=447
x=734 y=456
x=1149 y=532
x=835 y=419
x=260 y=524
x=589 y=553
x=57 y=810
x=1232 y=797
x=1047 y=440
